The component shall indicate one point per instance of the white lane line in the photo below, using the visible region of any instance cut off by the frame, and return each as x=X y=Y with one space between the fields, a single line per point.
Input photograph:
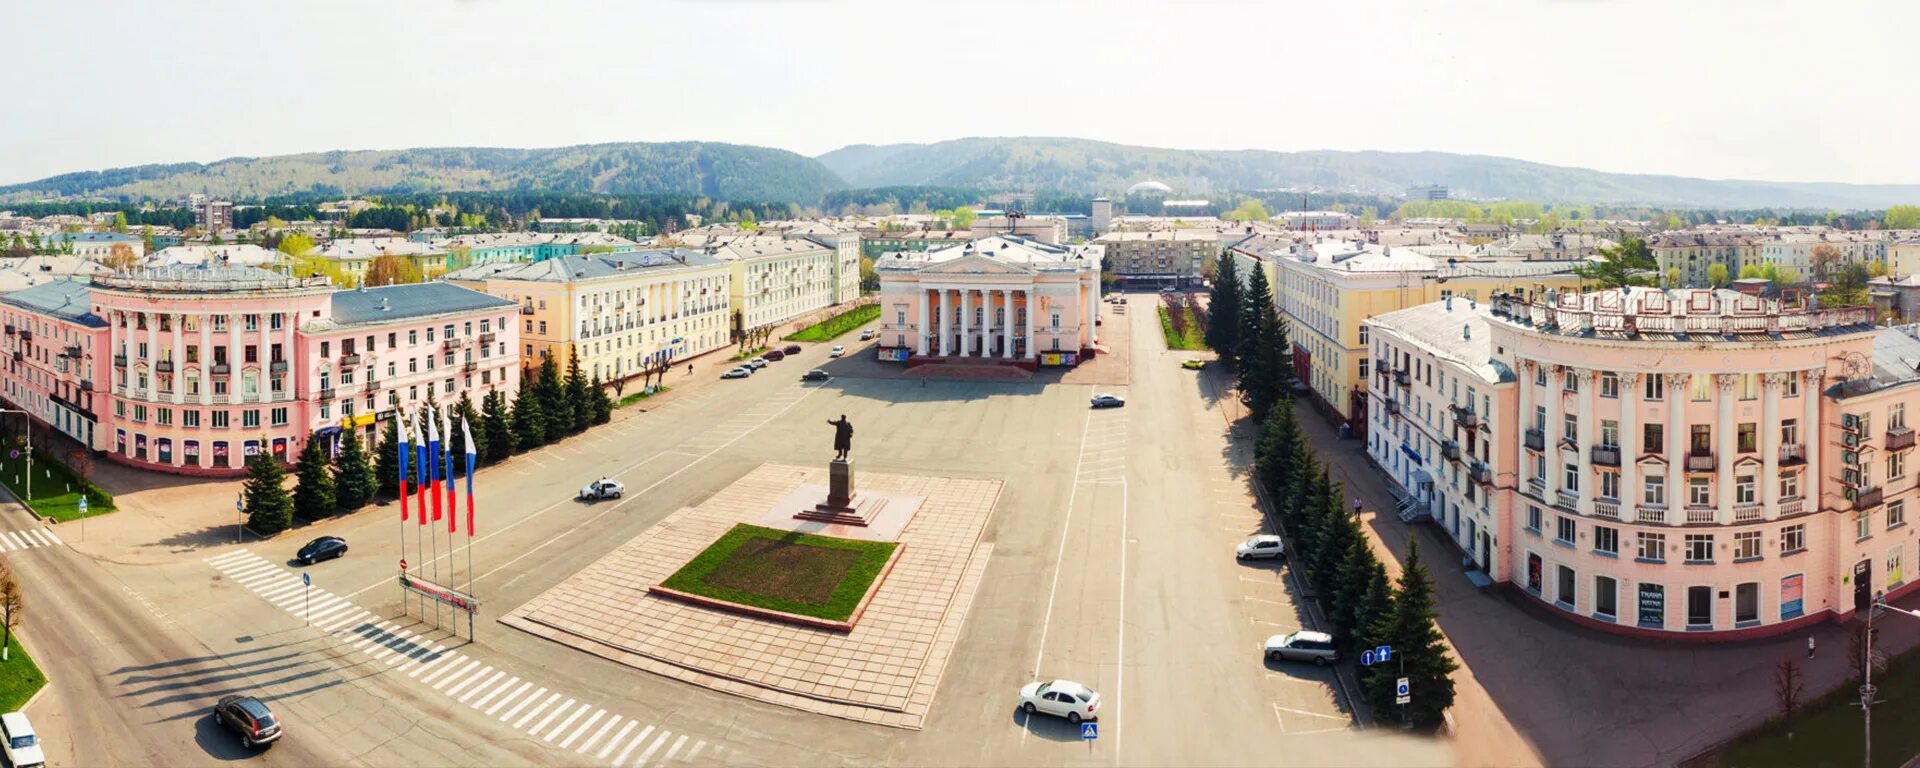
x=588 y=744
x=1120 y=652
x=615 y=741
x=532 y=712
x=578 y=732
x=482 y=701
x=423 y=666
x=471 y=663
x=637 y=741
x=1059 y=556
x=1319 y=730
x=523 y=705
x=466 y=679
x=655 y=747
x=507 y=699
x=1343 y=718
x=497 y=674
x=550 y=718
x=677 y=744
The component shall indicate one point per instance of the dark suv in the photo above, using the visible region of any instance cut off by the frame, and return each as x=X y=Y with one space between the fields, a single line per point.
x=248 y=717
x=791 y=349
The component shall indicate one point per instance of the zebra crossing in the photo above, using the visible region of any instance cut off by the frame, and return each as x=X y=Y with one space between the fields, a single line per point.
x=574 y=726
x=32 y=538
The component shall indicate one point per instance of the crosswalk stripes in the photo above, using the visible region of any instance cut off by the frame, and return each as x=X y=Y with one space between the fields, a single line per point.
x=574 y=725
x=14 y=541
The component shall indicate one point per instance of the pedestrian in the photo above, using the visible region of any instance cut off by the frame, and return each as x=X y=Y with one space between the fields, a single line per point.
x=689 y=369
x=1809 y=646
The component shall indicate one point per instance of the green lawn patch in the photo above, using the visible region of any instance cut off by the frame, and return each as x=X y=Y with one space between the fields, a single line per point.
x=1827 y=729
x=20 y=678
x=1193 y=338
x=798 y=573
x=638 y=396
x=838 y=325
x=56 y=492
x=750 y=354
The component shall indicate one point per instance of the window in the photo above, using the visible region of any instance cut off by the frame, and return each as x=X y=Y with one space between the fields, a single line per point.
x=1743 y=490
x=1702 y=388
x=219 y=419
x=190 y=419
x=1609 y=384
x=1653 y=605
x=1656 y=491
x=1896 y=512
x=1609 y=485
x=1652 y=547
x=249 y=419
x=1702 y=442
x=279 y=417
x=1793 y=385
x=1746 y=603
x=1896 y=466
x=1570 y=428
x=1746 y=545
x=1540 y=375
x=1533 y=519
x=1790 y=485
x=1699 y=492
x=1605 y=596
x=1699 y=607
x=1699 y=547
x=1540 y=418
x=1897 y=416
x=1566 y=595
x=1606 y=539
x=1655 y=388
x=1570 y=382
x=1749 y=386
x=1789 y=431
x=1653 y=438
x=1364 y=367
x=1572 y=477
x=1793 y=538
x=1609 y=433
x=1748 y=437
x=1567 y=529
x=1862 y=525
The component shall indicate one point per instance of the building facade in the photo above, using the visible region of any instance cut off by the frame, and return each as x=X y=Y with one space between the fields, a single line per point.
x=1002 y=297
x=1175 y=257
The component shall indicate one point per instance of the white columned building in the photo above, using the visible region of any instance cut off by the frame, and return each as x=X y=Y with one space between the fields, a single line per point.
x=1021 y=286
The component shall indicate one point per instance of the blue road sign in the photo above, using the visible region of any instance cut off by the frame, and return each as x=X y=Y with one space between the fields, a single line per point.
x=1383 y=654
x=306 y=579
x=1367 y=658
x=236 y=503
x=1089 y=731
x=83 y=505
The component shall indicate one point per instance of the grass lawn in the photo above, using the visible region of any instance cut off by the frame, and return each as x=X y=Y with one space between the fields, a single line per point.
x=638 y=396
x=749 y=354
x=838 y=325
x=20 y=679
x=1827 y=730
x=56 y=492
x=798 y=573
x=1194 y=339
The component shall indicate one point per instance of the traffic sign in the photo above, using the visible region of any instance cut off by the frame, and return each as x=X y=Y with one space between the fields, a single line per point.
x=83 y=505
x=13 y=454
x=1383 y=654
x=1402 y=693
x=403 y=564
x=306 y=579
x=1089 y=731
x=1367 y=658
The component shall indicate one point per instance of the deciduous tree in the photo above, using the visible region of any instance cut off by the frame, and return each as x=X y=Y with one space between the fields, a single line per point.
x=1902 y=217
x=13 y=606
x=1629 y=263
x=1717 y=275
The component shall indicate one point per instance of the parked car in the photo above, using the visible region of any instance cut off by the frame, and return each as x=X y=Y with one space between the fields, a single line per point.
x=323 y=548
x=602 y=488
x=1316 y=647
x=1060 y=698
x=1108 y=401
x=838 y=350
x=248 y=717
x=738 y=373
x=756 y=363
x=815 y=375
x=774 y=354
x=22 y=744
x=791 y=349
x=1194 y=365
x=866 y=335
x=1264 y=545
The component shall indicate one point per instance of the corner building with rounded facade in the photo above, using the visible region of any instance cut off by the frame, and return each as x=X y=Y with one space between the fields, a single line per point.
x=1687 y=464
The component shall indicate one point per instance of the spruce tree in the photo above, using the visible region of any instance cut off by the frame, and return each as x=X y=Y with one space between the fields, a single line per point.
x=1274 y=454
x=269 y=506
x=1370 y=616
x=463 y=412
x=386 y=461
x=1223 y=309
x=1300 y=471
x=1419 y=650
x=314 y=497
x=1311 y=507
x=1252 y=332
x=578 y=398
x=1352 y=580
x=498 y=427
x=529 y=420
x=353 y=483
x=602 y=402
x=556 y=414
x=1335 y=532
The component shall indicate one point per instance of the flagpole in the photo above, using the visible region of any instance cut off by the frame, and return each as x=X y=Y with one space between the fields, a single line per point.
x=400 y=431
x=467 y=431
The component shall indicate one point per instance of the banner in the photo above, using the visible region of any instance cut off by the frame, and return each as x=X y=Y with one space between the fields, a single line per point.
x=438 y=593
x=894 y=354
x=1792 y=595
x=1653 y=605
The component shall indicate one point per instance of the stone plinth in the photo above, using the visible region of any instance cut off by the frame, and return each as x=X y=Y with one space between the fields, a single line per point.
x=843 y=506
x=840 y=483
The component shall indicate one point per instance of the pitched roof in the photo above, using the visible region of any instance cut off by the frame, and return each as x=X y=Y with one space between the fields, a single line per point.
x=389 y=303
x=67 y=300
x=566 y=269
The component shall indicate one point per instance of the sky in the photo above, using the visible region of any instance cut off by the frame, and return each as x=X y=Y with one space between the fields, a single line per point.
x=1755 y=89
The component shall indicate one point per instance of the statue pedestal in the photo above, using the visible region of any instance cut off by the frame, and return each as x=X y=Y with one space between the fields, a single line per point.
x=843 y=506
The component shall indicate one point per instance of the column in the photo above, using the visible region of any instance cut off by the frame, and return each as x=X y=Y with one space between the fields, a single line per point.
x=966 y=320
x=293 y=319
x=179 y=362
x=234 y=359
x=922 y=327
x=1676 y=446
x=986 y=322
x=946 y=323
x=1556 y=420
x=1769 y=446
x=114 y=344
x=206 y=363
x=266 y=359
x=153 y=355
x=1729 y=448
x=1006 y=328
x=1588 y=437
x=1525 y=422
x=1812 y=486
x=1629 y=441
x=1033 y=340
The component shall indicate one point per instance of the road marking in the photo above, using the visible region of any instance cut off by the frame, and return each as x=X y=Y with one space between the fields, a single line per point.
x=482 y=701
x=555 y=714
x=1120 y=653
x=422 y=667
x=505 y=700
x=615 y=741
x=1059 y=557
x=1278 y=709
x=695 y=752
x=471 y=663
x=588 y=744
x=677 y=744
x=637 y=741
x=583 y=726
x=481 y=687
x=535 y=711
x=230 y=557
x=655 y=747
x=523 y=705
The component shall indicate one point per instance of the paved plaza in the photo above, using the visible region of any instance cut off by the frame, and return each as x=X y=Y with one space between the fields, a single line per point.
x=885 y=670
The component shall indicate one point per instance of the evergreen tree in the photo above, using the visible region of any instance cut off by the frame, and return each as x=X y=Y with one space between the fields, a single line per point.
x=353 y=483
x=1330 y=548
x=1252 y=330
x=1274 y=454
x=463 y=410
x=386 y=462
x=314 y=497
x=1419 y=650
x=1300 y=471
x=269 y=506
x=529 y=419
x=1352 y=580
x=1311 y=511
x=1223 y=309
x=602 y=402
x=1374 y=609
x=1265 y=362
x=578 y=397
x=556 y=414
x=496 y=424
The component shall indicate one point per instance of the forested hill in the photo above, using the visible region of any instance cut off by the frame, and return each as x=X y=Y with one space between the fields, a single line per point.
x=719 y=171
x=1094 y=167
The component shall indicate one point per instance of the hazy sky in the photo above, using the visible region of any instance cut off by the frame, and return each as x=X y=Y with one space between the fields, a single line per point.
x=1752 y=89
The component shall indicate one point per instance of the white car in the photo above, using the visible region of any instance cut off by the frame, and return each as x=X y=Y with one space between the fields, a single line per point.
x=756 y=363
x=738 y=373
x=838 y=350
x=1263 y=545
x=1316 y=647
x=1060 y=698
x=22 y=744
x=602 y=489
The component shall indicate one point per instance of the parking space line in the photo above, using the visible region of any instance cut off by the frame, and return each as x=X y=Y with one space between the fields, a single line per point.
x=1277 y=709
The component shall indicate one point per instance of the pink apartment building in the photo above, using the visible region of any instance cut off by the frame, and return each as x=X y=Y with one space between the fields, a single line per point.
x=1689 y=463
x=191 y=370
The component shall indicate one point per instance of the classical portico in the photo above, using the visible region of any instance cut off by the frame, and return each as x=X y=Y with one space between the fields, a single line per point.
x=993 y=300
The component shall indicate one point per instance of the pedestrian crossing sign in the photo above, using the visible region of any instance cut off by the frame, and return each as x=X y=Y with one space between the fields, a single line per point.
x=1089 y=731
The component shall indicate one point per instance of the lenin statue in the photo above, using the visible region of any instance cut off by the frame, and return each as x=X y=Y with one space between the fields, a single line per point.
x=842 y=437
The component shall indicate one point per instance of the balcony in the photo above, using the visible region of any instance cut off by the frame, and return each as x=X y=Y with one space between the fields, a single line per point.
x=1650 y=513
x=86 y=386
x=277 y=366
x=1867 y=498
x=220 y=369
x=1898 y=438
x=1607 y=510
x=1793 y=506
x=326 y=393
x=373 y=386
x=72 y=350
x=1701 y=513
x=1793 y=454
x=26 y=335
x=1450 y=449
x=1565 y=499
x=164 y=366
x=469 y=367
x=1746 y=513
x=119 y=361
x=1606 y=455
x=1393 y=407
x=1537 y=439
x=10 y=329
x=349 y=360
x=526 y=309
x=450 y=344
x=1402 y=378
x=18 y=356
x=1480 y=473
x=1465 y=417
x=487 y=338
x=1700 y=461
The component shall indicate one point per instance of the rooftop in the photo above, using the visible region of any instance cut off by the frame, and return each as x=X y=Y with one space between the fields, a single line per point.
x=205 y=279
x=566 y=269
x=1453 y=330
x=1656 y=314
x=1009 y=249
x=388 y=303
x=67 y=300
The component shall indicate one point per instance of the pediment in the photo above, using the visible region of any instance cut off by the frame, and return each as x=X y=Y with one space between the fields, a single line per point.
x=975 y=265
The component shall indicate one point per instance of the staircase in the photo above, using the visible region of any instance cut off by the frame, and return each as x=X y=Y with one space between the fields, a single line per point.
x=1411 y=510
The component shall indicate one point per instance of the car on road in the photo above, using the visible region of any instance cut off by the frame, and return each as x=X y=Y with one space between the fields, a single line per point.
x=866 y=335
x=756 y=363
x=838 y=350
x=1060 y=698
x=815 y=375
x=774 y=354
x=1265 y=545
x=791 y=349
x=323 y=548
x=1108 y=401
x=1304 y=645
x=738 y=373
x=22 y=745
x=602 y=488
x=1193 y=365
x=250 y=718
